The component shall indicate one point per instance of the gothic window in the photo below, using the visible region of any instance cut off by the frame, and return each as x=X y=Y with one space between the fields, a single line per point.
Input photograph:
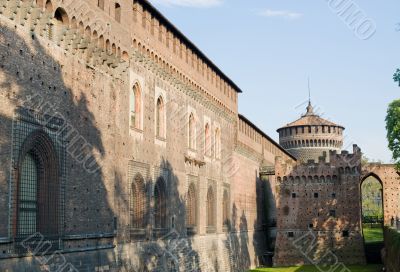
x=38 y=187
x=138 y=203
x=207 y=140
x=160 y=206
x=191 y=206
x=225 y=209
x=117 y=12
x=192 y=132
x=210 y=209
x=217 y=143
x=28 y=196
x=135 y=107
x=160 y=118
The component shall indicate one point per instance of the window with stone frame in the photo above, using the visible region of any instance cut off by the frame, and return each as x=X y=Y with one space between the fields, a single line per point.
x=38 y=187
x=138 y=207
x=135 y=107
x=192 y=132
x=160 y=205
x=210 y=210
x=160 y=118
x=217 y=146
x=225 y=210
x=207 y=140
x=191 y=208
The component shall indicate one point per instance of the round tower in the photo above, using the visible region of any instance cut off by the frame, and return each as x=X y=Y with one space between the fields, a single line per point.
x=310 y=136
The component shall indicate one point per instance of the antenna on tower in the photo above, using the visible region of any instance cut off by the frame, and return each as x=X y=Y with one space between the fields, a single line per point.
x=309 y=91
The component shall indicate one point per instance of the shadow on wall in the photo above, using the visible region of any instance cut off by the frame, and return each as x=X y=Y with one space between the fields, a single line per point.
x=167 y=249
x=237 y=243
x=37 y=99
x=32 y=82
x=239 y=240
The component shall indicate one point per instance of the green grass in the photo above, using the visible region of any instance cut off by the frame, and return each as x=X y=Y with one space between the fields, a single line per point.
x=352 y=268
x=373 y=235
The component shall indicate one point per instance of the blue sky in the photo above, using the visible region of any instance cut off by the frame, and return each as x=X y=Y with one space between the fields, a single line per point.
x=270 y=47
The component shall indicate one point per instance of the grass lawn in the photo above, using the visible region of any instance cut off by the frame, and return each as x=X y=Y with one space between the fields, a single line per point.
x=352 y=268
x=373 y=235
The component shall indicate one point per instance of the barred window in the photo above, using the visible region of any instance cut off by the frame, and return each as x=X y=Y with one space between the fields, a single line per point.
x=225 y=209
x=138 y=203
x=210 y=208
x=160 y=207
x=191 y=207
x=37 y=187
x=28 y=196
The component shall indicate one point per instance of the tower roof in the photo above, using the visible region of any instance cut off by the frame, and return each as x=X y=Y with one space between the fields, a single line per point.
x=310 y=119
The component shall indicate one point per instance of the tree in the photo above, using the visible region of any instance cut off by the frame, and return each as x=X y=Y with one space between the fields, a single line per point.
x=393 y=125
x=396 y=76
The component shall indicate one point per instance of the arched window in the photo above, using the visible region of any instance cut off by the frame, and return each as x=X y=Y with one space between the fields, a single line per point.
x=225 y=209
x=61 y=16
x=191 y=206
x=135 y=107
x=207 y=140
x=160 y=118
x=210 y=210
x=28 y=202
x=138 y=203
x=192 y=132
x=217 y=143
x=100 y=4
x=160 y=205
x=38 y=187
x=117 y=12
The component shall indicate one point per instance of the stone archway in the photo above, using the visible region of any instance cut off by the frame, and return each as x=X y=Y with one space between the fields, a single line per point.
x=390 y=179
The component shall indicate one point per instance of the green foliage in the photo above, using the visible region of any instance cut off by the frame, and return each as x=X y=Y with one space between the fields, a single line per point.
x=372 y=200
x=396 y=76
x=373 y=235
x=309 y=268
x=393 y=127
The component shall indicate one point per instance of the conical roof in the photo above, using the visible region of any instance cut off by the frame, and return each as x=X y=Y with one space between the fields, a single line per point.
x=311 y=119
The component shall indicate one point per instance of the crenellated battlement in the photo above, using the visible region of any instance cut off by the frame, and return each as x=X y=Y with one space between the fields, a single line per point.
x=111 y=36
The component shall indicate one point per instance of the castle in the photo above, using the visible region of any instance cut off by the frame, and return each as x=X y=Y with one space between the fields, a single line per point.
x=318 y=199
x=122 y=149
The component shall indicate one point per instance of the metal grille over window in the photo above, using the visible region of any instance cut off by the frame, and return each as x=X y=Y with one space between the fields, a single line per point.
x=225 y=210
x=210 y=210
x=191 y=208
x=138 y=207
x=27 y=204
x=37 y=185
x=160 y=207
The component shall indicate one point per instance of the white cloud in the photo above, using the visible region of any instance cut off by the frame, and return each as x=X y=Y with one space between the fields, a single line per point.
x=286 y=14
x=189 y=3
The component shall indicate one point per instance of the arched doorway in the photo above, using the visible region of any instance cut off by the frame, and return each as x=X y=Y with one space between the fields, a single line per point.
x=372 y=217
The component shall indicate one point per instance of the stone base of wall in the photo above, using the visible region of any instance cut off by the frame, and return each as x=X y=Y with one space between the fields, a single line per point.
x=234 y=252
x=319 y=248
